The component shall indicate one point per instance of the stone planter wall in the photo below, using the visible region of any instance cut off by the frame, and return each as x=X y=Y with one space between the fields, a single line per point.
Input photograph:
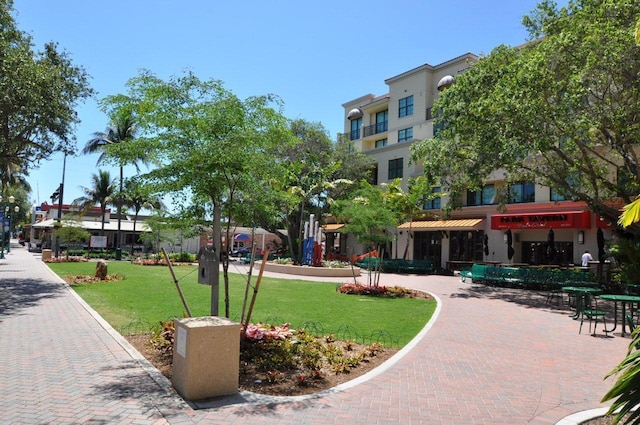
x=308 y=271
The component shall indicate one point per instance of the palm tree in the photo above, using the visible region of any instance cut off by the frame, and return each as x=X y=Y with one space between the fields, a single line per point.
x=101 y=192
x=123 y=128
x=138 y=197
x=11 y=175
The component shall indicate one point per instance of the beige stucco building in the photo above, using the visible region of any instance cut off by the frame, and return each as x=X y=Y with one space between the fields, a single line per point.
x=542 y=226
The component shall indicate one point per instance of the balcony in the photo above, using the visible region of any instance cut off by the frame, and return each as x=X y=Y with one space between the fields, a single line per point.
x=376 y=128
x=354 y=135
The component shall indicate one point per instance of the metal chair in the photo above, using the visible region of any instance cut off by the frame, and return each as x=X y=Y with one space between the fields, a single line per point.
x=593 y=314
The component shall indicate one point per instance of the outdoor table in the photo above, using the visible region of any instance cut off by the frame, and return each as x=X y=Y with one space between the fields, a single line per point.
x=622 y=299
x=581 y=294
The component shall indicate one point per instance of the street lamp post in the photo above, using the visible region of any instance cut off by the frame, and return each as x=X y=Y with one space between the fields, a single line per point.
x=12 y=215
x=5 y=213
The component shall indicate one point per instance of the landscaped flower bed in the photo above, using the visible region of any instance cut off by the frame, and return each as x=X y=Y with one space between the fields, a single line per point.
x=378 y=291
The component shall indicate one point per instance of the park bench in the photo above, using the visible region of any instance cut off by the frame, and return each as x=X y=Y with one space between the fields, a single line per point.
x=398 y=265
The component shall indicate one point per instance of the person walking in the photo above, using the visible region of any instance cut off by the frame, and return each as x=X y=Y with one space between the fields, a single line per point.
x=586 y=257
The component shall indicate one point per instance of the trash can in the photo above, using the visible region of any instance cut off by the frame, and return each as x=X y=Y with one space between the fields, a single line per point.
x=206 y=357
x=118 y=254
x=46 y=254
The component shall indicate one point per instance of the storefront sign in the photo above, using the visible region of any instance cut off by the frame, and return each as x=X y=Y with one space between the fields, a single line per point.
x=98 y=242
x=566 y=220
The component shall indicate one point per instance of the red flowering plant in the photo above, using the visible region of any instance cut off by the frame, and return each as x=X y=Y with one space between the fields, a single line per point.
x=379 y=291
x=262 y=331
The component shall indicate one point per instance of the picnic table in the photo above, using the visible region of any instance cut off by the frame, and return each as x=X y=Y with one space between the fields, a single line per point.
x=624 y=300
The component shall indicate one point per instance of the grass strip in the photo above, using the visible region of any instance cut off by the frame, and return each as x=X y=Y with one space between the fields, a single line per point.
x=148 y=294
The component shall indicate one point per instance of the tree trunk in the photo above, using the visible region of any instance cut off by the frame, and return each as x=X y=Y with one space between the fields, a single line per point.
x=217 y=247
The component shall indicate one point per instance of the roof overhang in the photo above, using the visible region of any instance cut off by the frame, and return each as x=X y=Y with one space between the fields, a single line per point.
x=332 y=227
x=460 y=224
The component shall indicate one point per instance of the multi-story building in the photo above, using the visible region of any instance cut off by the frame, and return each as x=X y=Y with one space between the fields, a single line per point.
x=541 y=225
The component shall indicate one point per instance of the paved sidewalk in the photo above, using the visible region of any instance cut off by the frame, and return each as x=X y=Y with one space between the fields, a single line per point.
x=493 y=356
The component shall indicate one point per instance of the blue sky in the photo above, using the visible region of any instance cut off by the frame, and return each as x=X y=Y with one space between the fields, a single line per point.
x=313 y=55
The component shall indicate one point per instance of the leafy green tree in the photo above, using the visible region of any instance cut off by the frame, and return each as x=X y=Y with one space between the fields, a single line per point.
x=313 y=171
x=409 y=204
x=561 y=111
x=101 y=193
x=367 y=217
x=39 y=91
x=213 y=146
x=69 y=230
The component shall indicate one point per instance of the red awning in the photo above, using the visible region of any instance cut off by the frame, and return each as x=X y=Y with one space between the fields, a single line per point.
x=545 y=220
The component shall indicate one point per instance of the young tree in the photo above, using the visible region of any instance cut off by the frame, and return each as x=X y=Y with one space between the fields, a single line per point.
x=367 y=217
x=561 y=110
x=409 y=204
x=39 y=92
x=69 y=230
x=211 y=144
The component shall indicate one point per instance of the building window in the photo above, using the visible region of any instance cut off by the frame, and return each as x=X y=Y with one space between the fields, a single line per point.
x=435 y=202
x=382 y=121
x=373 y=178
x=465 y=245
x=355 y=128
x=521 y=193
x=572 y=182
x=484 y=196
x=405 y=135
x=429 y=115
x=395 y=168
x=556 y=196
x=381 y=143
x=405 y=106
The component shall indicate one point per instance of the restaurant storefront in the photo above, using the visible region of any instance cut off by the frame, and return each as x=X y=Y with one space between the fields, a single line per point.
x=544 y=238
x=443 y=240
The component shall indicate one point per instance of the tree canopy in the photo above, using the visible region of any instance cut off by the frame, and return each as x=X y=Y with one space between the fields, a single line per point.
x=39 y=91
x=214 y=148
x=313 y=172
x=561 y=110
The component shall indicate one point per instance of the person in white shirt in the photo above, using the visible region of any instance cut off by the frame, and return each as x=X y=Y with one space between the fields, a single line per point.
x=586 y=257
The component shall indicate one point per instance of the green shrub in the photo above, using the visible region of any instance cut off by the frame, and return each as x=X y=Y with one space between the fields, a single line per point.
x=182 y=257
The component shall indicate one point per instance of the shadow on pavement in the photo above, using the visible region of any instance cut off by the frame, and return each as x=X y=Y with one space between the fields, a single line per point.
x=525 y=297
x=19 y=294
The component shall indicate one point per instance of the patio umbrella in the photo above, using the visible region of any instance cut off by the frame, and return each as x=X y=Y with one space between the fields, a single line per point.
x=510 y=250
x=600 y=239
x=241 y=237
x=486 y=245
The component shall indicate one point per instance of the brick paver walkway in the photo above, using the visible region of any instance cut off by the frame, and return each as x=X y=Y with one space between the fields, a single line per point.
x=493 y=356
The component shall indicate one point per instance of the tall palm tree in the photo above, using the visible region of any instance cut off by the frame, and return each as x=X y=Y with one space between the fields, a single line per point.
x=123 y=129
x=101 y=192
x=138 y=197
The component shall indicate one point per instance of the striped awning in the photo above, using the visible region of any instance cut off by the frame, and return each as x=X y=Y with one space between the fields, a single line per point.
x=332 y=227
x=461 y=224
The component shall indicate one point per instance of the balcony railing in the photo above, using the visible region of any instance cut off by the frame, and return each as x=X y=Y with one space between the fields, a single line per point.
x=376 y=128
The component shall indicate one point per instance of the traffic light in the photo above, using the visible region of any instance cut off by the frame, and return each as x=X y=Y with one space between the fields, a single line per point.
x=55 y=195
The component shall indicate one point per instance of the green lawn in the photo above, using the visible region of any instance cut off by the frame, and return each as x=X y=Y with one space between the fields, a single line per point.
x=148 y=293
